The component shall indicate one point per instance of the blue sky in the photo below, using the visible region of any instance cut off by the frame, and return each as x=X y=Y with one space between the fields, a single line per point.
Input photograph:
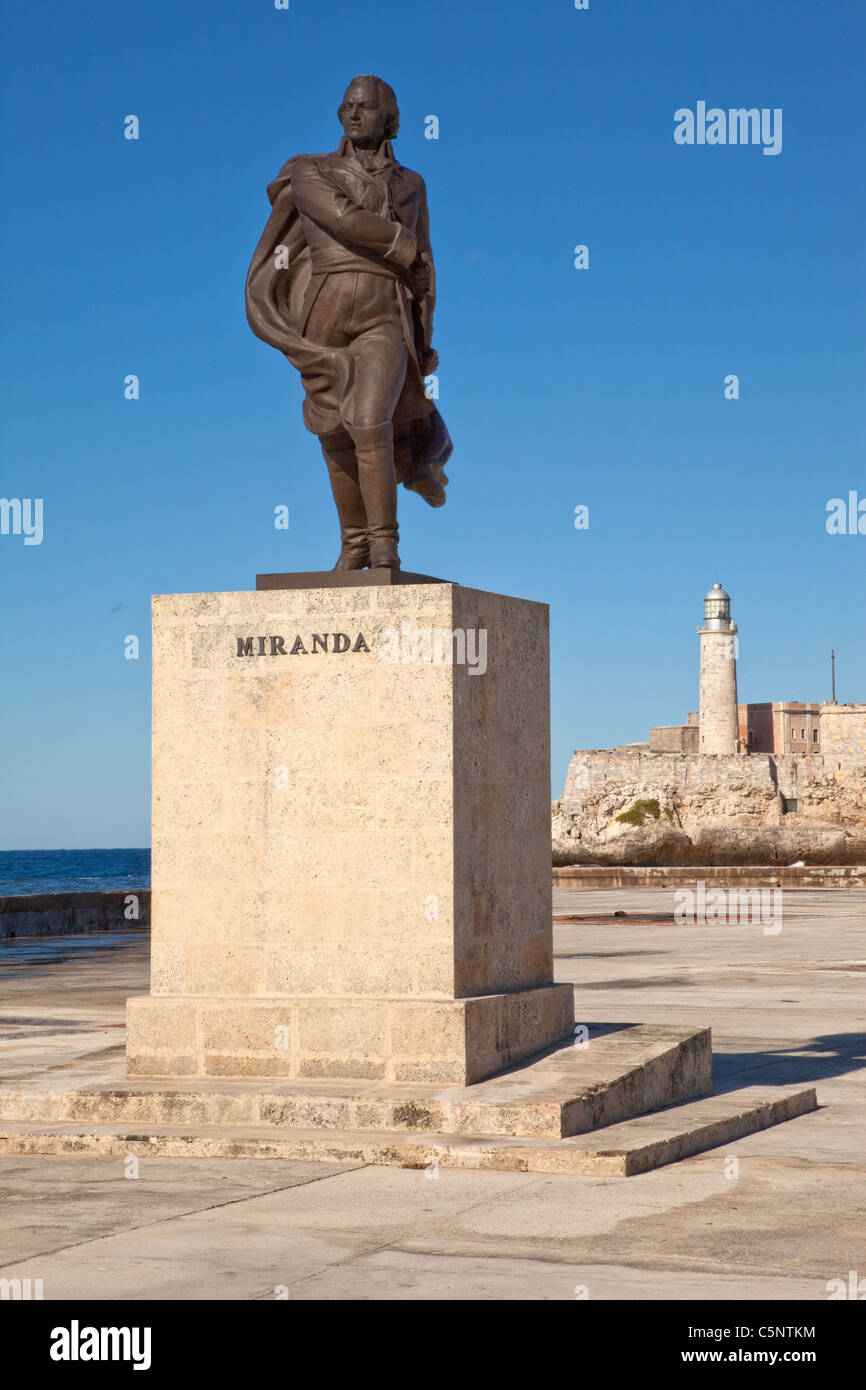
x=602 y=387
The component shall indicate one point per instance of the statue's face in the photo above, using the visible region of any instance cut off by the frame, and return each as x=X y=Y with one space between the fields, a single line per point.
x=364 y=117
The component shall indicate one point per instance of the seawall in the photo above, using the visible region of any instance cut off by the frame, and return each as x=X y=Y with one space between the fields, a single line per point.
x=73 y=914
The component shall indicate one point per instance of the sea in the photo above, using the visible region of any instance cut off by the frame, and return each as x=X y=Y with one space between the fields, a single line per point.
x=72 y=870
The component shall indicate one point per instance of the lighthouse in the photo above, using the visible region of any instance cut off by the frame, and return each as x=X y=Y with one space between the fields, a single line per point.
x=718 y=698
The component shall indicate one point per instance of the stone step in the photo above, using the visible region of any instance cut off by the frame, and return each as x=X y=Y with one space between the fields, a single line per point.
x=621 y=1150
x=624 y=1070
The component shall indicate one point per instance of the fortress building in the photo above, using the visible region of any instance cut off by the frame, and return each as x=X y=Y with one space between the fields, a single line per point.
x=783 y=726
x=750 y=783
x=722 y=726
x=718 y=724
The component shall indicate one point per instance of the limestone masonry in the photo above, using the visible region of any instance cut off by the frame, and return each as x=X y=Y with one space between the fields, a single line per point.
x=753 y=783
x=717 y=723
x=351 y=837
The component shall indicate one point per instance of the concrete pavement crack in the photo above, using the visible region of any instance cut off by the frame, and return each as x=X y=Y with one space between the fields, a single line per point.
x=178 y=1216
x=393 y=1244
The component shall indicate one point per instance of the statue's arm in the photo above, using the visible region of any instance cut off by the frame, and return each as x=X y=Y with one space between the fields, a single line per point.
x=427 y=286
x=422 y=234
x=318 y=198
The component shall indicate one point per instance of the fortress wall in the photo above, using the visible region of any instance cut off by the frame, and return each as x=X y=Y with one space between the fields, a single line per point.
x=702 y=805
x=843 y=734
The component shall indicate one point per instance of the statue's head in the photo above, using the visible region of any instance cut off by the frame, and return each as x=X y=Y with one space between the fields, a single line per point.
x=369 y=112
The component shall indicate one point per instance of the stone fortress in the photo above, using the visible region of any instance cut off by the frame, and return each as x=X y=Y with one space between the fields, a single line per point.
x=767 y=783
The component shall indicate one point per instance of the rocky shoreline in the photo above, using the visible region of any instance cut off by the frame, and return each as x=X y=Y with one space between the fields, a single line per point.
x=636 y=807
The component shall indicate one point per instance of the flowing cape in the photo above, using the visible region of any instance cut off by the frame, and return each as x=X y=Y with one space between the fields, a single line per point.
x=277 y=282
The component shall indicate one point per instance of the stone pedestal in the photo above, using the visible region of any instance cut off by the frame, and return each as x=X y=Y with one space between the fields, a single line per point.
x=351 y=837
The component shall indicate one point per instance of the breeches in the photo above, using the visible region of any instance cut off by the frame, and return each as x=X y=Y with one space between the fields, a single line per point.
x=360 y=311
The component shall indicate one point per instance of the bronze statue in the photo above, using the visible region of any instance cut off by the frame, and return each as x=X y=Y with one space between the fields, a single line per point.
x=342 y=282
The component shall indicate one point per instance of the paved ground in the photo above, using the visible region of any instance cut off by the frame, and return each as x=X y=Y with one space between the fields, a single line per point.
x=776 y=1215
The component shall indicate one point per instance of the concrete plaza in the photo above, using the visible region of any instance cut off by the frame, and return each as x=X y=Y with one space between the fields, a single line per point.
x=775 y=1215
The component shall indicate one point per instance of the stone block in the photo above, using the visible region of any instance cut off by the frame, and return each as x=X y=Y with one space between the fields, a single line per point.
x=351 y=836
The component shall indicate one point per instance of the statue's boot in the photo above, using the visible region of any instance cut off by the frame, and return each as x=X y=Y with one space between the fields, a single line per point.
x=374 y=451
x=339 y=452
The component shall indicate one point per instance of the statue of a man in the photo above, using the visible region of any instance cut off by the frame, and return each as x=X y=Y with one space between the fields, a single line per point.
x=342 y=282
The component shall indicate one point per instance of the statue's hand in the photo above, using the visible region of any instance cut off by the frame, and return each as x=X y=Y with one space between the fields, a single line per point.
x=430 y=363
x=420 y=278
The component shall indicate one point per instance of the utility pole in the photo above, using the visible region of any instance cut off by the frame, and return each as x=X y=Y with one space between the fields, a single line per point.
x=833 y=673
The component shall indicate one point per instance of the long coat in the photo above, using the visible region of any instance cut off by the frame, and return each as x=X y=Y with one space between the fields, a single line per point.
x=278 y=298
